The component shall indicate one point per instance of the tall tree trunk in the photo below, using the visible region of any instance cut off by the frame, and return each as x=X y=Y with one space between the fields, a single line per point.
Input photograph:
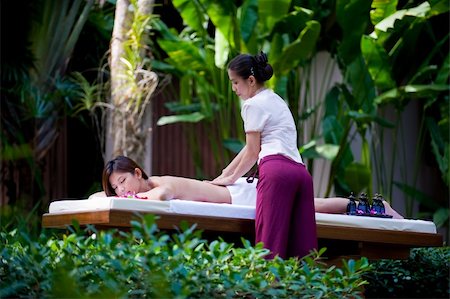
x=127 y=131
x=122 y=23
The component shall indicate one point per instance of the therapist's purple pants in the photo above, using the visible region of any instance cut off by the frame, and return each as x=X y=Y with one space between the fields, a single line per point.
x=285 y=216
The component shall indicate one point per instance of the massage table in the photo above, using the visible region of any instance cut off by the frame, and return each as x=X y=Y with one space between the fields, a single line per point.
x=344 y=236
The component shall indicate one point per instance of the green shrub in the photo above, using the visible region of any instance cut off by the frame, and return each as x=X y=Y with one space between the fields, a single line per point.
x=147 y=263
x=424 y=275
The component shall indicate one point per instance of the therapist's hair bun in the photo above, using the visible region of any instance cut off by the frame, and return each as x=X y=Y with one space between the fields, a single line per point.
x=263 y=70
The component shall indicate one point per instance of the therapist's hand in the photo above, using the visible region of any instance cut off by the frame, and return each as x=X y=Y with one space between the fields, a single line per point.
x=223 y=180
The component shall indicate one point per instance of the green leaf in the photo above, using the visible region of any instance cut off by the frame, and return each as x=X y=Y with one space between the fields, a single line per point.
x=193 y=14
x=298 y=51
x=293 y=23
x=178 y=107
x=190 y=118
x=223 y=16
x=444 y=72
x=270 y=11
x=357 y=176
x=161 y=66
x=418 y=12
x=233 y=145
x=332 y=130
x=276 y=48
x=440 y=148
x=382 y=121
x=353 y=18
x=440 y=217
x=439 y=7
x=410 y=91
x=361 y=117
x=184 y=55
x=308 y=150
x=163 y=30
x=328 y=151
x=378 y=62
x=365 y=153
x=221 y=49
x=248 y=18
x=362 y=91
x=16 y=152
x=382 y=9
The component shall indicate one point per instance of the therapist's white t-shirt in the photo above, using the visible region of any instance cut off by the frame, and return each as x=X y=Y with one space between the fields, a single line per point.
x=269 y=114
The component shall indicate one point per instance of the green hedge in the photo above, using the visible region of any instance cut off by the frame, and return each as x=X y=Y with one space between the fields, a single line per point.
x=147 y=263
x=424 y=275
x=150 y=264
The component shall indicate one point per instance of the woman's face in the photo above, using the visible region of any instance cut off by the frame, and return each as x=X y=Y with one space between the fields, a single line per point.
x=125 y=182
x=243 y=88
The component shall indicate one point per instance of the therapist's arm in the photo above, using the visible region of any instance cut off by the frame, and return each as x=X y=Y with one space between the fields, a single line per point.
x=233 y=164
x=243 y=162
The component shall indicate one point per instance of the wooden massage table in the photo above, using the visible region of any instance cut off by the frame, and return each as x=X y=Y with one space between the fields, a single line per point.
x=344 y=236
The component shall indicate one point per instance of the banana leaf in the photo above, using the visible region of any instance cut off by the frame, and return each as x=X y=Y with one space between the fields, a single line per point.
x=378 y=62
x=248 y=19
x=353 y=18
x=193 y=14
x=271 y=11
x=410 y=91
x=298 y=51
x=189 y=118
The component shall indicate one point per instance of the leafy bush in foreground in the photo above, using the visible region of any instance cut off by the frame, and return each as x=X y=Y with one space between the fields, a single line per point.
x=424 y=275
x=146 y=263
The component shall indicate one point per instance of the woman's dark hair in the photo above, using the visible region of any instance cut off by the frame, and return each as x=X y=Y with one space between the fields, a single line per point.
x=245 y=65
x=119 y=164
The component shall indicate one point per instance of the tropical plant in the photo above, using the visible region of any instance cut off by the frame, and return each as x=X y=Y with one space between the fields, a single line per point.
x=376 y=78
x=35 y=96
x=147 y=263
x=374 y=70
x=199 y=53
x=401 y=77
x=90 y=98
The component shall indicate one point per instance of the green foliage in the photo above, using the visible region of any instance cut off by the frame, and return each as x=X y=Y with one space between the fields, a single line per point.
x=198 y=55
x=34 y=102
x=371 y=43
x=147 y=263
x=424 y=275
x=401 y=76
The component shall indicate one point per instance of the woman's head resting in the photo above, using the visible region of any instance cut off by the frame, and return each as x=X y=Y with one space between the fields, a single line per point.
x=121 y=176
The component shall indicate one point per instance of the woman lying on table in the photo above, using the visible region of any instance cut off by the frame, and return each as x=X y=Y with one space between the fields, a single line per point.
x=122 y=176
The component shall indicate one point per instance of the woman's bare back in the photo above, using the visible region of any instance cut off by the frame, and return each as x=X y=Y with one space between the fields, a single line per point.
x=191 y=189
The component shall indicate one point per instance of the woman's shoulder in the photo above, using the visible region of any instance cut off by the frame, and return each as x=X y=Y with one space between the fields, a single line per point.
x=268 y=95
x=266 y=100
x=155 y=180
